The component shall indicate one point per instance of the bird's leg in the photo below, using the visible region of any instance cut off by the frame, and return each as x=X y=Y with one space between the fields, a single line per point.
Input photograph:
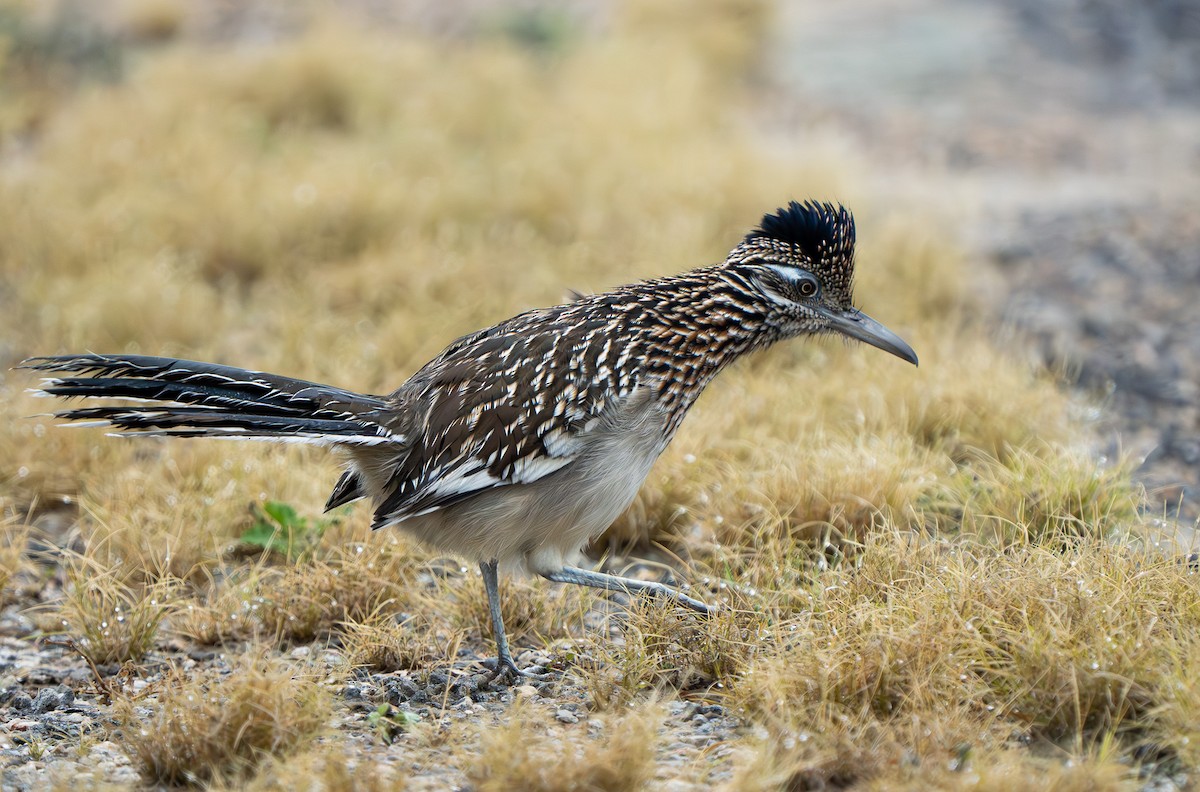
x=505 y=665
x=583 y=577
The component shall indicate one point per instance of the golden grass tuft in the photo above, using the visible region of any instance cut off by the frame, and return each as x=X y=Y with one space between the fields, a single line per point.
x=222 y=613
x=109 y=619
x=1073 y=644
x=662 y=648
x=152 y=21
x=518 y=755
x=329 y=767
x=150 y=539
x=220 y=726
x=1048 y=495
x=352 y=583
x=383 y=642
x=14 y=539
x=840 y=756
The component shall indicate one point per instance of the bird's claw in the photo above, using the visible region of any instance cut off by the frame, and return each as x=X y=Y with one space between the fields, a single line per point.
x=504 y=668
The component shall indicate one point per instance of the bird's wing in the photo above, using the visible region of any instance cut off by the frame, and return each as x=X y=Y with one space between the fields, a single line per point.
x=506 y=406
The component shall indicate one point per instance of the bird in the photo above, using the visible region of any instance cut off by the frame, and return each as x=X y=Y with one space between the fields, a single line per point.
x=521 y=442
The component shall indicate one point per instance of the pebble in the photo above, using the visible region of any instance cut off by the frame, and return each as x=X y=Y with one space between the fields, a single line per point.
x=534 y=660
x=566 y=716
x=525 y=692
x=19 y=701
x=49 y=699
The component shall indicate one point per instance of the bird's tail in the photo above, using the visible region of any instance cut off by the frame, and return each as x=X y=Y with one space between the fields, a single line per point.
x=183 y=398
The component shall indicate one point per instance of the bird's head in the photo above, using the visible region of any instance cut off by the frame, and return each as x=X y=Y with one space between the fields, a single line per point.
x=800 y=260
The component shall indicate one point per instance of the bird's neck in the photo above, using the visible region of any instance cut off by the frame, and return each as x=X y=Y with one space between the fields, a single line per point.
x=691 y=326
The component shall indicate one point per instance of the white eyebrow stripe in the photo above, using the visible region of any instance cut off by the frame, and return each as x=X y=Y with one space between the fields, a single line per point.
x=790 y=274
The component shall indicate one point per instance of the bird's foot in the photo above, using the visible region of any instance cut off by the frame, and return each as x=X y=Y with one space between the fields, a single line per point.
x=663 y=592
x=505 y=669
x=703 y=608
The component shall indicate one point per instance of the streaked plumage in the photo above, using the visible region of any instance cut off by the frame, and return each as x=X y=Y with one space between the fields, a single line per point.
x=521 y=442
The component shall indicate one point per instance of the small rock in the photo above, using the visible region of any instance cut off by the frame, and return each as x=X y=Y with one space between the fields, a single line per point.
x=50 y=699
x=300 y=652
x=401 y=689
x=531 y=658
x=525 y=691
x=59 y=728
x=566 y=716
x=17 y=700
x=467 y=686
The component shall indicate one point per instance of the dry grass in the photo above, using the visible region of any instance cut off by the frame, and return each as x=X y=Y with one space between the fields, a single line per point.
x=14 y=538
x=928 y=579
x=663 y=649
x=225 y=613
x=328 y=767
x=302 y=602
x=1073 y=645
x=845 y=758
x=108 y=618
x=518 y=755
x=221 y=726
x=381 y=642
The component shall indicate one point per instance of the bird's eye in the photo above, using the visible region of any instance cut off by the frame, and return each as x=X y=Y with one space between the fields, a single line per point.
x=807 y=287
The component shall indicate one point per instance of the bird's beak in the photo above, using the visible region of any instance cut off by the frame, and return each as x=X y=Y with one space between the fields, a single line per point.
x=858 y=325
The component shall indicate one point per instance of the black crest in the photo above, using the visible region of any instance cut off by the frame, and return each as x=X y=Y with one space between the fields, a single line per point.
x=815 y=228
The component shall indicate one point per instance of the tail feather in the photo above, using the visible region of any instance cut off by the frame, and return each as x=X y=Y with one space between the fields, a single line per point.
x=196 y=399
x=348 y=488
x=199 y=382
x=193 y=392
x=204 y=421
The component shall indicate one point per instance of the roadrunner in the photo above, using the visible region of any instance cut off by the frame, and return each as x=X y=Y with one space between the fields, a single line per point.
x=520 y=443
